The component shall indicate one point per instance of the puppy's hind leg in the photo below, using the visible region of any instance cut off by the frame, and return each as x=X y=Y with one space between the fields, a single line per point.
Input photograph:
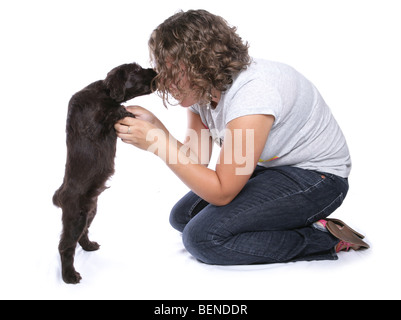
x=74 y=224
x=84 y=241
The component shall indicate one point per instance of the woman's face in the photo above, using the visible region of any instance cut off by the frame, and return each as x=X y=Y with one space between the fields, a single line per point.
x=187 y=96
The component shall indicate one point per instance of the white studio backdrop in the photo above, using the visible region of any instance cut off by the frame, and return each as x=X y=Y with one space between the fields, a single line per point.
x=50 y=49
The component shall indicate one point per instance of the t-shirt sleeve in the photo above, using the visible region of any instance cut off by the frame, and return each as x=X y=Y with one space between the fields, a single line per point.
x=254 y=97
x=195 y=109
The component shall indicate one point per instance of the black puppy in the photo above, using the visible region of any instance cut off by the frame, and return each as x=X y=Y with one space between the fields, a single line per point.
x=91 y=148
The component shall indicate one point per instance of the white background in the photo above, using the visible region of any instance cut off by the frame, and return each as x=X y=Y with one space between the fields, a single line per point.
x=350 y=49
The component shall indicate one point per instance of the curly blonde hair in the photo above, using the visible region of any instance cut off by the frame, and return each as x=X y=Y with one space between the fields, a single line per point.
x=203 y=47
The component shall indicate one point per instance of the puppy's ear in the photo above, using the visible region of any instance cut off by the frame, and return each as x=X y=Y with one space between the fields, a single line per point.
x=115 y=82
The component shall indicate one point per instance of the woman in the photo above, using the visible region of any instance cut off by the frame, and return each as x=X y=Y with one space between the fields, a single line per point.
x=283 y=164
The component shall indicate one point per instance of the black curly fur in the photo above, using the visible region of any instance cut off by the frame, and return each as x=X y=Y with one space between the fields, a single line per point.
x=91 y=148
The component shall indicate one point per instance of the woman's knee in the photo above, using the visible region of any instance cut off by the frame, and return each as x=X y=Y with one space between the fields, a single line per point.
x=193 y=243
x=200 y=243
x=185 y=209
x=176 y=218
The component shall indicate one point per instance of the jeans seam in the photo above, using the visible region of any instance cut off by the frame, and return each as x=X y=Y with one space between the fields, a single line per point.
x=272 y=257
x=312 y=219
x=191 y=210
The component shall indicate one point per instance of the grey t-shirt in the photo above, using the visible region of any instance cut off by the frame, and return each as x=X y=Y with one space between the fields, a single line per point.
x=304 y=134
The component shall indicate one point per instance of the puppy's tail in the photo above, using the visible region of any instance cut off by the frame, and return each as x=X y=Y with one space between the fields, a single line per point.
x=56 y=198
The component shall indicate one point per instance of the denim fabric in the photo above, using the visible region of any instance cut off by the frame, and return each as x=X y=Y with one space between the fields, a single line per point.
x=270 y=221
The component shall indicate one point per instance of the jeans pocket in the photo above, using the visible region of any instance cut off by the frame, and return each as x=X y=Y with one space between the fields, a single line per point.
x=328 y=210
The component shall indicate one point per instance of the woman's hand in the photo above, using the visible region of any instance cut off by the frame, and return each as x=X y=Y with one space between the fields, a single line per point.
x=144 y=114
x=143 y=131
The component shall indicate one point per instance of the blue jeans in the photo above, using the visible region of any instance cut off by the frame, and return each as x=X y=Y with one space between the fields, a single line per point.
x=270 y=221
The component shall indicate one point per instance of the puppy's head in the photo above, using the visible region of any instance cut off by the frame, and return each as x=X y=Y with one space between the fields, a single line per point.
x=129 y=81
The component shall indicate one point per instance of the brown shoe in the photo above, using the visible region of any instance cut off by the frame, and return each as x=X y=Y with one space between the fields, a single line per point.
x=349 y=239
x=342 y=224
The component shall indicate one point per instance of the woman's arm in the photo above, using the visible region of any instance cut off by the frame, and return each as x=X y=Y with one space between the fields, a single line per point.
x=244 y=141
x=198 y=140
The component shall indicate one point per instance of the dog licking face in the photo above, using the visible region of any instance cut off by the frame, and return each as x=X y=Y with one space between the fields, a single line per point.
x=129 y=81
x=91 y=149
